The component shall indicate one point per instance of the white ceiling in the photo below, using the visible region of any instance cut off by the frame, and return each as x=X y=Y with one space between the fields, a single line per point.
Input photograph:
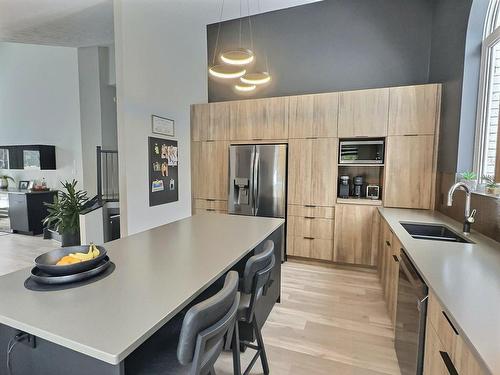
x=70 y=23
x=80 y=23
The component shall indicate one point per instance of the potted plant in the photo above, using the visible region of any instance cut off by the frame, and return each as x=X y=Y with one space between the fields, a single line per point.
x=470 y=178
x=492 y=187
x=4 y=181
x=64 y=213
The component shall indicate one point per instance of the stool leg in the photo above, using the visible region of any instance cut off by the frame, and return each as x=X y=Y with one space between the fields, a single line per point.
x=260 y=342
x=212 y=371
x=236 y=349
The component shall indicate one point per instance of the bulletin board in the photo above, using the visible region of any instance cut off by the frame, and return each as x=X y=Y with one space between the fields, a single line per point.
x=163 y=171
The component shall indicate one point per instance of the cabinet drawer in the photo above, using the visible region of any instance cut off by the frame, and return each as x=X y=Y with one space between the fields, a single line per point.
x=311 y=211
x=210 y=204
x=309 y=247
x=198 y=211
x=309 y=226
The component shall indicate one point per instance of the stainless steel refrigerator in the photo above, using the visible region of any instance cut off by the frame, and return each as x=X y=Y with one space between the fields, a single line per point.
x=257 y=180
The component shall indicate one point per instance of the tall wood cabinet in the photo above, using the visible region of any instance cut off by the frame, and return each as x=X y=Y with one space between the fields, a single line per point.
x=210 y=170
x=356 y=234
x=210 y=122
x=313 y=116
x=312 y=172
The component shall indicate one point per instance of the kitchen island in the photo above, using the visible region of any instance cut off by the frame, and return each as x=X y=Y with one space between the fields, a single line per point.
x=92 y=329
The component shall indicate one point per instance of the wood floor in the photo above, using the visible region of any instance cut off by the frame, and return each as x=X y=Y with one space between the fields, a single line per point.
x=330 y=321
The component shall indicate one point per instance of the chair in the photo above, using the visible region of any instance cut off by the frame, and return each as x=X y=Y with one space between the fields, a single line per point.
x=201 y=339
x=254 y=285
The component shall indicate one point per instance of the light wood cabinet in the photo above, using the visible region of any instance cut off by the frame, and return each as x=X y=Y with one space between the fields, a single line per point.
x=391 y=257
x=356 y=234
x=363 y=113
x=210 y=169
x=259 y=119
x=444 y=340
x=409 y=172
x=312 y=172
x=209 y=206
x=413 y=109
x=384 y=251
x=313 y=116
x=210 y=122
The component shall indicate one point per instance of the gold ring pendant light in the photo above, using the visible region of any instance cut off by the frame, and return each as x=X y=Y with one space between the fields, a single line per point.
x=235 y=62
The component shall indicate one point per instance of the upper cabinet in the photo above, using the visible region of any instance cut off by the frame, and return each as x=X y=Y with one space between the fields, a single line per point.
x=313 y=116
x=28 y=157
x=363 y=113
x=210 y=169
x=414 y=109
x=409 y=172
x=312 y=177
x=210 y=122
x=259 y=119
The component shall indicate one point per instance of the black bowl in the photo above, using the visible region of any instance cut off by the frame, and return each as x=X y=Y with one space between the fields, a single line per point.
x=47 y=262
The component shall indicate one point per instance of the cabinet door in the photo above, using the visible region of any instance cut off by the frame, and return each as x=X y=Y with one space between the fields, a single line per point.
x=413 y=109
x=199 y=121
x=409 y=172
x=218 y=124
x=356 y=234
x=18 y=212
x=259 y=119
x=195 y=170
x=324 y=171
x=212 y=170
x=299 y=171
x=391 y=285
x=313 y=115
x=433 y=359
x=384 y=252
x=363 y=113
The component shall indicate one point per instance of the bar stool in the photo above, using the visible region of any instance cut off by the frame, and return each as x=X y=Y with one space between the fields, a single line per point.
x=201 y=338
x=254 y=285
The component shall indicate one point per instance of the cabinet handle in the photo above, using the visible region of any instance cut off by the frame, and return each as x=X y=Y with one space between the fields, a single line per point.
x=448 y=363
x=311 y=137
x=411 y=135
x=309 y=205
x=210 y=200
x=395 y=258
x=309 y=217
x=387 y=243
x=450 y=323
x=257 y=139
x=308 y=238
x=210 y=209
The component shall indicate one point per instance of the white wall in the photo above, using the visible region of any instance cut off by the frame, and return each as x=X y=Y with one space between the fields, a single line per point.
x=161 y=68
x=39 y=104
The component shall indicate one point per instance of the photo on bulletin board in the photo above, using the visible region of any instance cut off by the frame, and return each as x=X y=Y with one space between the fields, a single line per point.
x=163 y=171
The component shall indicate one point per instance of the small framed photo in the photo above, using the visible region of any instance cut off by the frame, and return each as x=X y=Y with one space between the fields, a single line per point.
x=162 y=125
x=24 y=185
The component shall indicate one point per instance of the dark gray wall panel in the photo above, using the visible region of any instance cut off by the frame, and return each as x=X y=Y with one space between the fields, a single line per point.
x=335 y=45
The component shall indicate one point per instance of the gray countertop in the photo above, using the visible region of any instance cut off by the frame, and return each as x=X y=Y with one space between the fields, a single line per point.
x=25 y=191
x=157 y=273
x=465 y=278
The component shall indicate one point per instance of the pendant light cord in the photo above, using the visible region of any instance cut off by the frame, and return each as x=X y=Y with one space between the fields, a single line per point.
x=241 y=22
x=250 y=25
x=218 y=32
x=266 y=58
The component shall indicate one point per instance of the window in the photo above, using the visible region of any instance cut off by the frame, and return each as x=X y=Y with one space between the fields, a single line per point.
x=487 y=153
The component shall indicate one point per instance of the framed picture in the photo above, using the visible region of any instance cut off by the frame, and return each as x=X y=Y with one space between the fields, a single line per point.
x=162 y=125
x=23 y=185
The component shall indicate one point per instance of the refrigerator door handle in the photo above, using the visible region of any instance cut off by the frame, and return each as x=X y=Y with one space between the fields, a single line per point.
x=256 y=182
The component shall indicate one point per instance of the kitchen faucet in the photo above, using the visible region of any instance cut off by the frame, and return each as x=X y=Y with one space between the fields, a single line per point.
x=469 y=216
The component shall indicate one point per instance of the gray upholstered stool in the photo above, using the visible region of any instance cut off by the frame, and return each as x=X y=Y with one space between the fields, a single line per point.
x=256 y=279
x=199 y=339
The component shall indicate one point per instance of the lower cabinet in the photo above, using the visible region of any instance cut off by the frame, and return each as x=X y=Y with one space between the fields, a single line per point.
x=356 y=234
x=388 y=263
x=209 y=206
x=310 y=232
x=28 y=210
x=445 y=350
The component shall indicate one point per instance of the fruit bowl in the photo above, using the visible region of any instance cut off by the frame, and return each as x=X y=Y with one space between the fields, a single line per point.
x=47 y=262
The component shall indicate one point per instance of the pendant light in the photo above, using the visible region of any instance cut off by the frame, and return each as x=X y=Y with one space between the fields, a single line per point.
x=243 y=87
x=260 y=78
x=226 y=71
x=241 y=56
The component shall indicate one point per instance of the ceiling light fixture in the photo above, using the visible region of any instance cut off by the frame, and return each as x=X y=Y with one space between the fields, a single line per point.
x=243 y=87
x=256 y=78
x=226 y=71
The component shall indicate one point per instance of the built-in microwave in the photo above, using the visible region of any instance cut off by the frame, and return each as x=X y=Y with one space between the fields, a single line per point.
x=369 y=151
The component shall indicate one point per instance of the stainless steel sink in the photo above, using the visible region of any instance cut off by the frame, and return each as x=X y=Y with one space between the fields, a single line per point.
x=435 y=232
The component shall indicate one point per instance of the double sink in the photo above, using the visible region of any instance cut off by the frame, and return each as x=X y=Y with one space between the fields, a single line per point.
x=435 y=232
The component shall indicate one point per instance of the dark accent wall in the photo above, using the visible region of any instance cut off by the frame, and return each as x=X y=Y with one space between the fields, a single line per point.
x=334 y=45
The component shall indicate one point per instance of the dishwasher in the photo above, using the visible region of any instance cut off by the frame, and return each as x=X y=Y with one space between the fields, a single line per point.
x=410 y=318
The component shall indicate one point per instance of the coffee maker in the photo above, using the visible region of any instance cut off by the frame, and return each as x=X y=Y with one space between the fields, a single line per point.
x=344 y=187
x=358 y=186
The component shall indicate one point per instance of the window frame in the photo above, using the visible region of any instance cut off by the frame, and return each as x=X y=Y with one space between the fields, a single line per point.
x=491 y=37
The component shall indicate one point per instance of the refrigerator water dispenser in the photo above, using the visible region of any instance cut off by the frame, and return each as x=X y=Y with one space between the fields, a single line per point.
x=241 y=186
